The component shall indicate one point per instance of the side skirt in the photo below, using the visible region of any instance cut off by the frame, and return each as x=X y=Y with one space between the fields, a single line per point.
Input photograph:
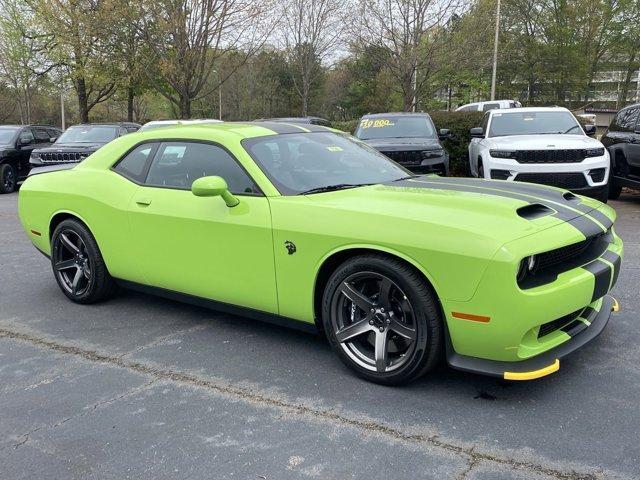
x=221 y=306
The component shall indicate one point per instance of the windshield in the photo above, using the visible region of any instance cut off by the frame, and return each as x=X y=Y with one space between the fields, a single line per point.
x=299 y=162
x=89 y=134
x=533 y=123
x=6 y=135
x=398 y=126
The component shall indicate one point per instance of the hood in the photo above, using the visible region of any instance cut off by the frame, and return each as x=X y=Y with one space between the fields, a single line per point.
x=543 y=142
x=491 y=211
x=70 y=147
x=400 y=144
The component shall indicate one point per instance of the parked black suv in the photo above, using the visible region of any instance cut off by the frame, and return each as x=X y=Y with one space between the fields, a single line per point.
x=409 y=139
x=80 y=141
x=622 y=139
x=16 y=145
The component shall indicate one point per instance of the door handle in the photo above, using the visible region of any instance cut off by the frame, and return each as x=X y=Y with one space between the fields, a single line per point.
x=143 y=201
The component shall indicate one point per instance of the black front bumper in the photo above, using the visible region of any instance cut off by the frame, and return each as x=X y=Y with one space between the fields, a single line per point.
x=543 y=364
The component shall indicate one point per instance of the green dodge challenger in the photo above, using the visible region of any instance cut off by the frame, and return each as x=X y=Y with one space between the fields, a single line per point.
x=309 y=227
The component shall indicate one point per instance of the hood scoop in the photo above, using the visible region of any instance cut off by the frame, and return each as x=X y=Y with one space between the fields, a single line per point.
x=533 y=211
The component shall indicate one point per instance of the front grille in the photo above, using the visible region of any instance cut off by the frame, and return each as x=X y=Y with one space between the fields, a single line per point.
x=60 y=157
x=560 y=255
x=561 y=180
x=550 y=156
x=547 y=328
x=552 y=263
x=408 y=158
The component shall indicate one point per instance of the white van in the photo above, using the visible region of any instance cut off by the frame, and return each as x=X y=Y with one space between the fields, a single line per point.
x=486 y=106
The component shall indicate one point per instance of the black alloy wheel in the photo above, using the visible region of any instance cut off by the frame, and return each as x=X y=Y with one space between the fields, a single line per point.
x=78 y=265
x=382 y=320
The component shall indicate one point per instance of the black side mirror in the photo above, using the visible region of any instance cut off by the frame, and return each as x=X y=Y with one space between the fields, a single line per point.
x=444 y=134
x=590 y=130
x=24 y=141
x=477 y=132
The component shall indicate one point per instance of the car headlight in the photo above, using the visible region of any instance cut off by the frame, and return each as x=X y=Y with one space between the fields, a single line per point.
x=433 y=153
x=594 y=152
x=35 y=155
x=527 y=266
x=502 y=153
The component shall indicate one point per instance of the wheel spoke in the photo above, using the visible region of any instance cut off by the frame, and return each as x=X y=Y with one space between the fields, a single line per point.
x=64 y=265
x=384 y=299
x=76 y=281
x=402 y=330
x=356 y=297
x=69 y=244
x=381 y=353
x=350 y=331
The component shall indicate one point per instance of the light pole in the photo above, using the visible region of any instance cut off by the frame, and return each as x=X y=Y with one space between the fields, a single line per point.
x=62 y=108
x=495 y=53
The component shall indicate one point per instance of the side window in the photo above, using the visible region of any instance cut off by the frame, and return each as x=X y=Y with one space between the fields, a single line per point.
x=132 y=166
x=178 y=164
x=490 y=106
x=625 y=121
x=485 y=122
x=122 y=131
x=26 y=137
x=53 y=133
x=132 y=129
x=41 y=135
x=469 y=108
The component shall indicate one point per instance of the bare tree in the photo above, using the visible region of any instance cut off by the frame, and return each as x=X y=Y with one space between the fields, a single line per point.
x=311 y=31
x=186 y=38
x=409 y=31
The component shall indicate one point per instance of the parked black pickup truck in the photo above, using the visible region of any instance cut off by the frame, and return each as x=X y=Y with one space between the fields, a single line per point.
x=622 y=139
x=16 y=144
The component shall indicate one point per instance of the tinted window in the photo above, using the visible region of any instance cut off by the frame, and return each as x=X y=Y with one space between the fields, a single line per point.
x=533 y=123
x=178 y=164
x=41 y=135
x=133 y=164
x=469 y=108
x=53 y=133
x=299 y=162
x=89 y=134
x=396 y=126
x=490 y=106
x=132 y=129
x=26 y=136
x=625 y=121
x=485 y=122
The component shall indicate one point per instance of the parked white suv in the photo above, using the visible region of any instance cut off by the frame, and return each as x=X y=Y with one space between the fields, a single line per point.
x=490 y=105
x=540 y=145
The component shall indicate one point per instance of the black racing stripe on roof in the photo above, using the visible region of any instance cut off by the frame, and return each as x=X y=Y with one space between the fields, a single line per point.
x=583 y=224
x=283 y=128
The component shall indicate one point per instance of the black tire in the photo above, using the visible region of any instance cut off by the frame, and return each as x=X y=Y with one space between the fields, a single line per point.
x=77 y=264
x=413 y=311
x=480 y=169
x=614 y=190
x=8 y=178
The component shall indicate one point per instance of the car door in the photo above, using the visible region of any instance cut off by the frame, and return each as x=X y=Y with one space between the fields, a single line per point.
x=623 y=141
x=199 y=245
x=26 y=143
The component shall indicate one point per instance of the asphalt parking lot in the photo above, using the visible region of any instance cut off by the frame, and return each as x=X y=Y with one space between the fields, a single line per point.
x=146 y=388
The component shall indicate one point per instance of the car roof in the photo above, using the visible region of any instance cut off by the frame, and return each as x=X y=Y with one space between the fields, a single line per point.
x=108 y=124
x=528 y=109
x=30 y=125
x=291 y=119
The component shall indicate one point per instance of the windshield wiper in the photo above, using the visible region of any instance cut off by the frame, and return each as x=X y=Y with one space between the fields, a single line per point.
x=337 y=186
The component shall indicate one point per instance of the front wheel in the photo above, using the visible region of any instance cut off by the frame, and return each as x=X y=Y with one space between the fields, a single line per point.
x=614 y=190
x=8 y=178
x=78 y=265
x=382 y=319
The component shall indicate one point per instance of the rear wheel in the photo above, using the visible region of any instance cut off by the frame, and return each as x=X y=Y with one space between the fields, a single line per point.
x=78 y=265
x=382 y=319
x=8 y=178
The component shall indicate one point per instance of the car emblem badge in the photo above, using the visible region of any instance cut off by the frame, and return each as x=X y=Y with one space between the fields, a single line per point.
x=290 y=246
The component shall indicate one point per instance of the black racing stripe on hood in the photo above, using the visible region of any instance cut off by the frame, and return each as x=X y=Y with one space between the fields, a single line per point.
x=282 y=128
x=603 y=276
x=602 y=218
x=587 y=226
